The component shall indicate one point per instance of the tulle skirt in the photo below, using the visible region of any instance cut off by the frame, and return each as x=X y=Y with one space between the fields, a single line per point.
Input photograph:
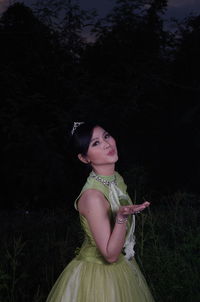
x=94 y=281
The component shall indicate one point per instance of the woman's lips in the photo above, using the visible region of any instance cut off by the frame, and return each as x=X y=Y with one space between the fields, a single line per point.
x=111 y=153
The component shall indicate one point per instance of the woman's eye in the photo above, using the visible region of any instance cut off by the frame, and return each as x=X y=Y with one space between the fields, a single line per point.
x=107 y=135
x=95 y=143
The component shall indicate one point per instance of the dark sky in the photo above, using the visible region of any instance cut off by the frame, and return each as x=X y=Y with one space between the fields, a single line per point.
x=181 y=8
x=176 y=8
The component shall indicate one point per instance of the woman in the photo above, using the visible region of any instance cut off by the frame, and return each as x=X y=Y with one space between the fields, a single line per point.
x=105 y=269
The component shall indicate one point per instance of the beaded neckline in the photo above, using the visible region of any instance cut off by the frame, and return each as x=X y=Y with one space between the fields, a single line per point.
x=105 y=180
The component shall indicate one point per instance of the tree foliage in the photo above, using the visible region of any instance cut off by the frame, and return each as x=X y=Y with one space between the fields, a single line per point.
x=135 y=74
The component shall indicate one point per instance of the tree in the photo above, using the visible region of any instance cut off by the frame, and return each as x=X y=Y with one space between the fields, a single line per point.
x=69 y=20
x=34 y=75
x=128 y=59
x=187 y=61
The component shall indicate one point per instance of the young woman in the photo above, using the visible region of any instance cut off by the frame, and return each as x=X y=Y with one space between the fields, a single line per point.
x=105 y=269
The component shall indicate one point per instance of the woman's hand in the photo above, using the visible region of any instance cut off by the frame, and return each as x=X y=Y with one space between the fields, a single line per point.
x=124 y=211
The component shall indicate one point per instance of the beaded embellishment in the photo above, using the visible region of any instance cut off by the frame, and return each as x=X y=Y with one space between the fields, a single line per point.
x=75 y=126
x=102 y=180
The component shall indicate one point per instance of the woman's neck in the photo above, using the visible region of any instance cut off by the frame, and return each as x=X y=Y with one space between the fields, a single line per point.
x=104 y=170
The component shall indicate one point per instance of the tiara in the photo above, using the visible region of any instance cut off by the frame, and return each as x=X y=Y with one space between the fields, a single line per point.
x=75 y=126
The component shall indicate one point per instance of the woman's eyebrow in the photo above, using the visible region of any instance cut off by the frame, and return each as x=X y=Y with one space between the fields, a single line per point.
x=93 y=139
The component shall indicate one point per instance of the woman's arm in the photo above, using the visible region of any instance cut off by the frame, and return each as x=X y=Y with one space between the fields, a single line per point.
x=95 y=208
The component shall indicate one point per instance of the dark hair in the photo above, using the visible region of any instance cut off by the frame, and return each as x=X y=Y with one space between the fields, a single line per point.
x=81 y=138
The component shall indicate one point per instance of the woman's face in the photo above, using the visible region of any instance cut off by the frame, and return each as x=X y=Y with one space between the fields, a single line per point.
x=102 y=149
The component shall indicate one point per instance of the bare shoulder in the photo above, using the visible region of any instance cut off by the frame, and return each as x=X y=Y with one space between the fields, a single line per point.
x=91 y=200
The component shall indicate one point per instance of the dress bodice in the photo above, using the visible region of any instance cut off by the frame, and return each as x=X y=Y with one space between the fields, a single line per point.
x=94 y=183
x=101 y=183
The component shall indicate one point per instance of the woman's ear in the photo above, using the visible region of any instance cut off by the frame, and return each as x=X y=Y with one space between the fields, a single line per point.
x=83 y=159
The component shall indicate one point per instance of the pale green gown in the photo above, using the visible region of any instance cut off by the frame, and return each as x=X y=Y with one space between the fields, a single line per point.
x=89 y=278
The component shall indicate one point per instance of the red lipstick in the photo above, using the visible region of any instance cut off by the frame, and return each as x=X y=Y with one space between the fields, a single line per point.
x=111 y=152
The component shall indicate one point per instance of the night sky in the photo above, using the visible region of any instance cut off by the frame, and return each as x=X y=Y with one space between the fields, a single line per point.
x=176 y=8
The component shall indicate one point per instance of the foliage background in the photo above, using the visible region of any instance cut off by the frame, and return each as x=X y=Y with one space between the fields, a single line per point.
x=136 y=76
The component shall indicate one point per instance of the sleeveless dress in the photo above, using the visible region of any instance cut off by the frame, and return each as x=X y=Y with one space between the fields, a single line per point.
x=89 y=277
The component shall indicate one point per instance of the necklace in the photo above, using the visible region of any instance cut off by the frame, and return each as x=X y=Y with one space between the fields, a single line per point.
x=103 y=180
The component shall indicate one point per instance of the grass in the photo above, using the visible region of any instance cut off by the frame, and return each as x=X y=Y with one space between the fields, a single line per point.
x=36 y=246
x=168 y=248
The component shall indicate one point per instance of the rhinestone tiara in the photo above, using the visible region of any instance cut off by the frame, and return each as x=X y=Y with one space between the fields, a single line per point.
x=75 y=126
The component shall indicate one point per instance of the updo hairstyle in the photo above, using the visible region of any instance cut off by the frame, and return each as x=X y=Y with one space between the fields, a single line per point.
x=81 y=138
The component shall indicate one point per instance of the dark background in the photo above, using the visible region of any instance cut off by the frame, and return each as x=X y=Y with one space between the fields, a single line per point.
x=128 y=70
x=136 y=72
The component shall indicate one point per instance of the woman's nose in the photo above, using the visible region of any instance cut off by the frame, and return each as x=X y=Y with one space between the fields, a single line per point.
x=106 y=144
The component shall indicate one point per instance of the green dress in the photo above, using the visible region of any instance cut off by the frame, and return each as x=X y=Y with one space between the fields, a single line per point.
x=90 y=278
